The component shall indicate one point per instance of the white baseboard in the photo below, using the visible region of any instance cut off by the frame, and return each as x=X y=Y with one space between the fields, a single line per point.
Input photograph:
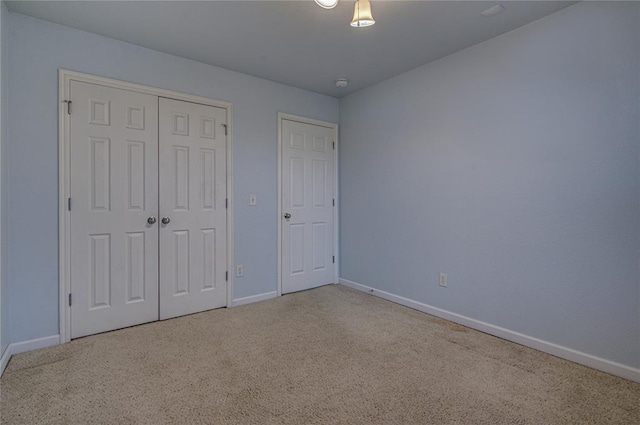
x=254 y=298
x=24 y=346
x=34 y=344
x=589 y=360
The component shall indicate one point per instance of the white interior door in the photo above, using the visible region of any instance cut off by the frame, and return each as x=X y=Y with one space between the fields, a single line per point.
x=114 y=191
x=193 y=207
x=308 y=161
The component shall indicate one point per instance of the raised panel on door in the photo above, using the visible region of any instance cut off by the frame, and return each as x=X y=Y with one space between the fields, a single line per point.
x=100 y=272
x=136 y=176
x=135 y=267
x=308 y=162
x=114 y=190
x=192 y=198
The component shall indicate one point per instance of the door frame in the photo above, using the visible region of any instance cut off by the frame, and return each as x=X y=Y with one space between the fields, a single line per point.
x=64 y=182
x=336 y=232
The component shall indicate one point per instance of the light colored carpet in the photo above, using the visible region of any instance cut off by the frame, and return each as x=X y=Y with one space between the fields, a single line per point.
x=326 y=356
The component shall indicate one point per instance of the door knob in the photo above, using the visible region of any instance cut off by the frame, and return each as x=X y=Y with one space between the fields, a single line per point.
x=151 y=220
x=166 y=220
x=287 y=216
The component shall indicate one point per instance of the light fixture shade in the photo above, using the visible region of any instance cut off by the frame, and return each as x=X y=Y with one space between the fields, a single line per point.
x=362 y=16
x=327 y=4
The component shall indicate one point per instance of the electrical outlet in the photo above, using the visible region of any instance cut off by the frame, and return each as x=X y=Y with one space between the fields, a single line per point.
x=239 y=270
x=252 y=200
x=443 y=280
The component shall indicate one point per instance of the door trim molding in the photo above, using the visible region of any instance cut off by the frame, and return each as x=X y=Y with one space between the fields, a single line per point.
x=64 y=183
x=336 y=233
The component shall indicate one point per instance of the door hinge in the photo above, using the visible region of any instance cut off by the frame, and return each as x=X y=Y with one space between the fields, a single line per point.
x=226 y=276
x=68 y=102
x=334 y=202
x=69 y=300
x=69 y=204
x=334 y=145
x=226 y=203
x=334 y=259
x=225 y=129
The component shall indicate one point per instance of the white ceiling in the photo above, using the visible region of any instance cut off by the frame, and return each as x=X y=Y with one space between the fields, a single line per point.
x=296 y=42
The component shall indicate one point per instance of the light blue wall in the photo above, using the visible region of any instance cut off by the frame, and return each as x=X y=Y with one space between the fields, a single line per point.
x=512 y=166
x=4 y=310
x=37 y=50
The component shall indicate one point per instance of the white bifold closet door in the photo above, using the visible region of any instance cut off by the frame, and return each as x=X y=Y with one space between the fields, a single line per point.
x=193 y=192
x=114 y=191
x=148 y=213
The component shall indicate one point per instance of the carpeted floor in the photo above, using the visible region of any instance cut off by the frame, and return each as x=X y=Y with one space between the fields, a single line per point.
x=325 y=356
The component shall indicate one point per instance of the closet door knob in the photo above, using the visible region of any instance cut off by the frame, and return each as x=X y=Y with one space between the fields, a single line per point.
x=287 y=216
x=166 y=220
x=151 y=220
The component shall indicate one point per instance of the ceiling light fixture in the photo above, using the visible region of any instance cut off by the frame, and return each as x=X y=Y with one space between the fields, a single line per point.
x=362 y=14
x=342 y=82
x=327 y=4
